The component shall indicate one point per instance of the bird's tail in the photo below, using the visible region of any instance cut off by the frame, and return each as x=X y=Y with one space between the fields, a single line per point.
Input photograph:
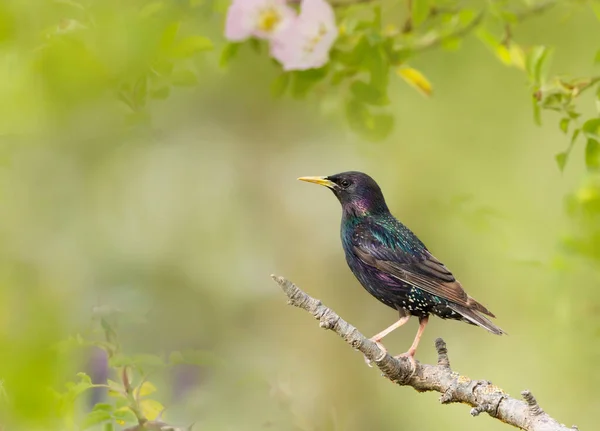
x=471 y=315
x=471 y=303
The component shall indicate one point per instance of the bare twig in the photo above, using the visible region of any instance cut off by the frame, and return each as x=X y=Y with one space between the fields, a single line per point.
x=536 y=9
x=435 y=41
x=482 y=395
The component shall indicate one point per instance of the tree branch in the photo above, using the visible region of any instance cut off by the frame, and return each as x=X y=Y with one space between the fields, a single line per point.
x=435 y=41
x=482 y=395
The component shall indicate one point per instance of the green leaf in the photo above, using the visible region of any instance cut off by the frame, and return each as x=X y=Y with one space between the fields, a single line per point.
x=399 y=56
x=420 y=11
x=115 y=389
x=103 y=407
x=574 y=136
x=339 y=76
x=94 y=418
x=355 y=57
x=597 y=57
x=374 y=37
x=561 y=160
x=537 y=111
x=229 y=52
x=537 y=63
x=488 y=38
x=495 y=45
x=303 y=81
x=591 y=128
x=451 y=43
x=168 y=37
x=109 y=427
x=466 y=16
x=564 y=124
x=368 y=94
x=184 y=78
x=85 y=382
x=66 y=400
x=255 y=45
x=125 y=415
x=280 y=84
x=377 y=64
x=191 y=45
x=376 y=17
x=592 y=154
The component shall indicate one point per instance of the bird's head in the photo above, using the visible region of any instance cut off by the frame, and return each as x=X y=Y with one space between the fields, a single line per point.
x=357 y=192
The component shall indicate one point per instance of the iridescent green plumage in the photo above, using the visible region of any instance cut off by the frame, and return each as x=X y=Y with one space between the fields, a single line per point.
x=392 y=263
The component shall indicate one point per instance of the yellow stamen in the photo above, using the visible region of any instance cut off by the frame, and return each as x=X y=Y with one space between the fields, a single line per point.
x=314 y=41
x=268 y=19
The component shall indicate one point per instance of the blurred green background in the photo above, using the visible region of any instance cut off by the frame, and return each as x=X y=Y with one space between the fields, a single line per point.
x=176 y=211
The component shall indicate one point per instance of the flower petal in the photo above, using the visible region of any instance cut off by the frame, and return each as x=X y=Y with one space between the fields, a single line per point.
x=259 y=18
x=306 y=42
x=235 y=26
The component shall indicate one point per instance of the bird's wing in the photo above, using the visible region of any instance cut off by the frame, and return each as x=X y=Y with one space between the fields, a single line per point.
x=375 y=246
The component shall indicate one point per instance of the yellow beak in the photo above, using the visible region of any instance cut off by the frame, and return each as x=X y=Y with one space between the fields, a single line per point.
x=322 y=181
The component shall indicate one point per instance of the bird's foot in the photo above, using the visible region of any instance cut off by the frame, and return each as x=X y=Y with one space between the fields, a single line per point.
x=410 y=355
x=381 y=347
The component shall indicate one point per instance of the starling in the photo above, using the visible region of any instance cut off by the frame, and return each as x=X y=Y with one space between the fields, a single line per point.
x=393 y=265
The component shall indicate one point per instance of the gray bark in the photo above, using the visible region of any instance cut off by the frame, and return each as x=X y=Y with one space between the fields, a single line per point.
x=481 y=395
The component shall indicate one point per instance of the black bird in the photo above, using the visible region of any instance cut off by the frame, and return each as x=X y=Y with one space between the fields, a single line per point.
x=393 y=265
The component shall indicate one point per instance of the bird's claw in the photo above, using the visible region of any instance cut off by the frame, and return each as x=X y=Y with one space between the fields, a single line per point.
x=410 y=355
x=383 y=352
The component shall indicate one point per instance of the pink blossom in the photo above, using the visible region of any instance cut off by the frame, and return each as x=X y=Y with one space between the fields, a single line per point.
x=258 y=18
x=305 y=43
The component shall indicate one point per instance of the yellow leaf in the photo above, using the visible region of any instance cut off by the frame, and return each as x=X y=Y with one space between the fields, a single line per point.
x=518 y=56
x=587 y=194
x=415 y=79
x=151 y=409
x=147 y=388
x=503 y=54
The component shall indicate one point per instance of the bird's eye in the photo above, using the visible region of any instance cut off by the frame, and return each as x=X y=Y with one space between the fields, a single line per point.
x=345 y=183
